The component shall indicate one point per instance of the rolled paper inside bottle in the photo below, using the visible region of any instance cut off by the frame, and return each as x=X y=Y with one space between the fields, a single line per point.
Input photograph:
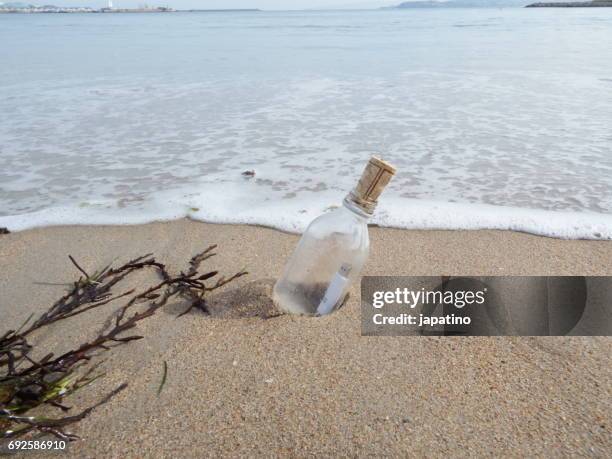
x=376 y=176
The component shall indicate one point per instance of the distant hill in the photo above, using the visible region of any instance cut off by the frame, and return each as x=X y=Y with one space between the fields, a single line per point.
x=460 y=4
x=593 y=4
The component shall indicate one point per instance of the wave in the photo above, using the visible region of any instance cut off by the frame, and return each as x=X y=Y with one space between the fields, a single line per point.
x=233 y=206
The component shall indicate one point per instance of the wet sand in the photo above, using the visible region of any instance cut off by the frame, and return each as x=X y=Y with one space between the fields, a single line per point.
x=242 y=385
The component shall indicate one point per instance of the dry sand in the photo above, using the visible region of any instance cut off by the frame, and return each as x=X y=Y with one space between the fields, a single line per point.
x=294 y=386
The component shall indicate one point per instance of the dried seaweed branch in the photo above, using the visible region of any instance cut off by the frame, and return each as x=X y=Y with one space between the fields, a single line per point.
x=52 y=426
x=196 y=294
x=26 y=383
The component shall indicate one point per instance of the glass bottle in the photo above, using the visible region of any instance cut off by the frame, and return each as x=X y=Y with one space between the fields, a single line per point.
x=332 y=250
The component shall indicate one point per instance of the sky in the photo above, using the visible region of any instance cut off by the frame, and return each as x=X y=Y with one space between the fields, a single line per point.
x=226 y=4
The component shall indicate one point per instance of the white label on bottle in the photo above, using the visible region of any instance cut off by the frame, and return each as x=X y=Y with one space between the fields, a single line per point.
x=332 y=294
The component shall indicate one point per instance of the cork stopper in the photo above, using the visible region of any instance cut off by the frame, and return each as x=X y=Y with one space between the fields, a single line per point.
x=376 y=176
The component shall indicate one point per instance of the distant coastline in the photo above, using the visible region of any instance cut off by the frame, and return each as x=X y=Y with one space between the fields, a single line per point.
x=52 y=9
x=427 y=4
x=593 y=4
x=21 y=8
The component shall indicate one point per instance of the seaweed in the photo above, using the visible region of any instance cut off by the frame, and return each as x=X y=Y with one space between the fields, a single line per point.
x=27 y=383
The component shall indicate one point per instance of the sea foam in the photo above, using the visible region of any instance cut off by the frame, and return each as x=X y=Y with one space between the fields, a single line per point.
x=226 y=205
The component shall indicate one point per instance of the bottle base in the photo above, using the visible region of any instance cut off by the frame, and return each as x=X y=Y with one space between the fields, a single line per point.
x=304 y=301
x=286 y=304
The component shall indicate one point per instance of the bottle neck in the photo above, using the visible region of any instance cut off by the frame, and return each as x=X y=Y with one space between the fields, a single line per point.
x=355 y=208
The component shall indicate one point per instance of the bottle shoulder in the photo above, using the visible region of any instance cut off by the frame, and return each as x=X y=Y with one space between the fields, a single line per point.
x=340 y=220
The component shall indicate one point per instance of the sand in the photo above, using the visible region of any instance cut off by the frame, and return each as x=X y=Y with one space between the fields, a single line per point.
x=240 y=385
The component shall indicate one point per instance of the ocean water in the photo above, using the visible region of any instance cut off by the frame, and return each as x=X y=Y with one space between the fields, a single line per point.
x=495 y=118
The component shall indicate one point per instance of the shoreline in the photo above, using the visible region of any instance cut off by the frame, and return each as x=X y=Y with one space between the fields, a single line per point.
x=261 y=226
x=294 y=217
x=239 y=383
